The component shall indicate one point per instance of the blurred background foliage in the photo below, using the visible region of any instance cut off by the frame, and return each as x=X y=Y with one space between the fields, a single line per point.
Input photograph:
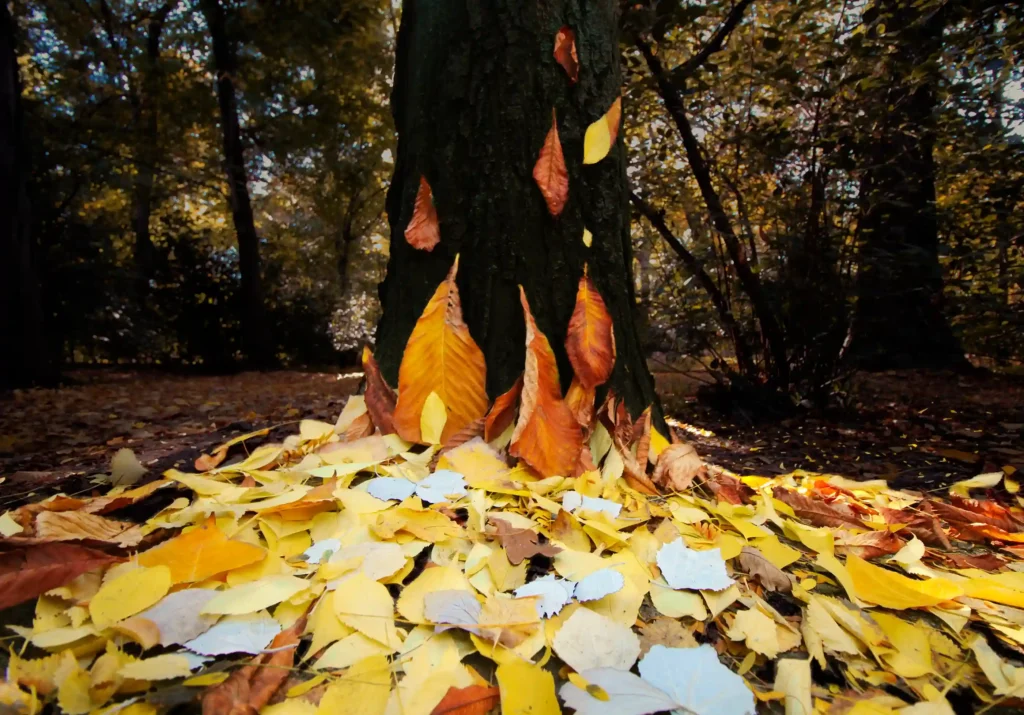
x=781 y=153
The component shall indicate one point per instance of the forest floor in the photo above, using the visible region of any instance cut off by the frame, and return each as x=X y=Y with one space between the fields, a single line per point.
x=915 y=429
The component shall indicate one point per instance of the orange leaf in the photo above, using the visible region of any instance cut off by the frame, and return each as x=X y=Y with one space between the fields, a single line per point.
x=547 y=436
x=201 y=553
x=29 y=572
x=550 y=173
x=206 y=462
x=423 y=231
x=565 y=53
x=590 y=341
x=642 y=436
x=380 y=398
x=441 y=357
x=614 y=118
x=503 y=411
x=581 y=401
x=474 y=700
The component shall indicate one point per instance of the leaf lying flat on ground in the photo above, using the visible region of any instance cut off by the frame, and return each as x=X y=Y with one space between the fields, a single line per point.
x=816 y=511
x=521 y=543
x=757 y=564
x=30 y=571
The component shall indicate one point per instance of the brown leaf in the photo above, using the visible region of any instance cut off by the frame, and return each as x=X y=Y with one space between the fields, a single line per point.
x=771 y=577
x=642 y=437
x=80 y=526
x=565 y=53
x=361 y=426
x=985 y=562
x=665 y=631
x=677 y=467
x=590 y=338
x=924 y=526
x=380 y=398
x=252 y=686
x=520 y=543
x=206 y=462
x=957 y=514
x=726 y=488
x=816 y=511
x=581 y=402
x=990 y=512
x=547 y=436
x=550 y=173
x=31 y=571
x=868 y=545
x=502 y=412
x=471 y=431
x=423 y=231
x=473 y=700
x=614 y=119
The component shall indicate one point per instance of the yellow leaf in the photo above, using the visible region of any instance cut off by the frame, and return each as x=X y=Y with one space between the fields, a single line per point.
x=160 y=667
x=325 y=625
x=601 y=135
x=432 y=419
x=588 y=238
x=913 y=656
x=526 y=689
x=200 y=553
x=676 y=604
x=441 y=357
x=73 y=694
x=776 y=552
x=255 y=595
x=891 y=590
x=362 y=690
x=128 y=594
x=758 y=630
x=793 y=680
x=442 y=578
x=351 y=650
x=367 y=606
x=207 y=679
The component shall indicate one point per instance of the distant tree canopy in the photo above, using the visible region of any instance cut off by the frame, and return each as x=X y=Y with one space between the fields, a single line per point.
x=813 y=184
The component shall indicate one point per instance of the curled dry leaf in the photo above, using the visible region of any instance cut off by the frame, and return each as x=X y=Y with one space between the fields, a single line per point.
x=924 y=526
x=380 y=398
x=757 y=564
x=503 y=411
x=590 y=339
x=546 y=436
x=971 y=511
x=565 y=53
x=442 y=357
x=423 y=231
x=550 y=173
x=727 y=488
x=818 y=512
x=642 y=437
x=581 y=401
x=33 y=570
x=868 y=545
x=206 y=462
x=521 y=543
x=677 y=467
x=81 y=526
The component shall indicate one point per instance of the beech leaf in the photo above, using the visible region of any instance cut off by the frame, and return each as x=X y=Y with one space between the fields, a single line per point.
x=380 y=398
x=565 y=53
x=550 y=172
x=423 y=231
x=677 y=467
x=590 y=340
x=33 y=570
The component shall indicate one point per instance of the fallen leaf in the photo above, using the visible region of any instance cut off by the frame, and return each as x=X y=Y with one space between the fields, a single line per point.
x=441 y=486
x=503 y=411
x=206 y=462
x=200 y=553
x=677 y=466
x=363 y=689
x=380 y=398
x=757 y=564
x=552 y=594
x=423 y=231
x=521 y=543
x=818 y=512
x=453 y=607
x=31 y=571
x=441 y=357
x=82 y=526
x=757 y=630
x=508 y=621
x=432 y=419
x=697 y=681
x=471 y=700
x=255 y=595
x=891 y=590
x=600 y=136
x=526 y=689
x=590 y=338
x=589 y=640
x=565 y=53
x=160 y=667
x=982 y=481
x=128 y=594
x=924 y=526
x=550 y=173
x=580 y=400
x=368 y=607
x=236 y=634
x=125 y=468
x=668 y=632
x=178 y=616
x=622 y=693
x=599 y=584
x=546 y=436
x=793 y=680
x=868 y=545
x=682 y=567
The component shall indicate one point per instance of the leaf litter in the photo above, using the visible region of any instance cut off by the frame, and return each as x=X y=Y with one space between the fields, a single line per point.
x=347 y=569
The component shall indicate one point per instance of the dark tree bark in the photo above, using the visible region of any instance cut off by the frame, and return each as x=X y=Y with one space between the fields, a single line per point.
x=898 y=320
x=147 y=151
x=255 y=331
x=25 y=357
x=475 y=84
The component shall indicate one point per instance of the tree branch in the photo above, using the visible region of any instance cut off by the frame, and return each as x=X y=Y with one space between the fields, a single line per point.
x=713 y=45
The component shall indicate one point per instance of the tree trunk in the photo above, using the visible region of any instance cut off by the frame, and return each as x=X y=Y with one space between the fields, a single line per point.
x=255 y=331
x=147 y=149
x=25 y=358
x=475 y=84
x=898 y=320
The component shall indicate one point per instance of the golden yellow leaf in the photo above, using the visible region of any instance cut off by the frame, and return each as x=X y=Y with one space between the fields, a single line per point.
x=590 y=339
x=442 y=578
x=362 y=690
x=255 y=595
x=159 y=667
x=891 y=590
x=547 y=435
x=441 y=357
x=200 y=553
x=913 y=656
x=588 y=238
x=550 y=173
x=601 y=135
x=128 y=594
x=432 y=419
x=367 y=606
x=526 y=689
x=758 y=630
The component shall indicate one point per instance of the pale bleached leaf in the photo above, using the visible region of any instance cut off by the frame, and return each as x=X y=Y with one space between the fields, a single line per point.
x=696 y=680
x=599 y=584
x=683 y=567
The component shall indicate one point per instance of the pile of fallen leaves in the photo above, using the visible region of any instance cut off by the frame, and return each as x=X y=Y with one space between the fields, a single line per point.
x=432 y=553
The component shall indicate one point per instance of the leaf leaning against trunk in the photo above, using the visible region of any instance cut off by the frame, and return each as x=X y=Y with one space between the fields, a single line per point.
x=31 y=571
x=503 y=411
x=590 y=339
x=441 y=356
x=423 y=231
x=380 y=398
x=550 y=173
x=547 y=435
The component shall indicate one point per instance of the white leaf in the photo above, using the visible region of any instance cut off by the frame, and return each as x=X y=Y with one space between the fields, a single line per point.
x=315 y=553
x=573 y=500
x=125 y=468
x=242 y=634
x=178 y=616
x=696 y=680
x=390 y=488
x=589 y=640
x=911 y=552
x=628 y=694
x=441 y=485
x=683 y=567
x=453 y=607
x=599 y=584
x=554 y=594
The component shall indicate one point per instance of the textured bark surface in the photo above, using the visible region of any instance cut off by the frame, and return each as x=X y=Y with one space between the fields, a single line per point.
x=474 y=87
x=899 y=320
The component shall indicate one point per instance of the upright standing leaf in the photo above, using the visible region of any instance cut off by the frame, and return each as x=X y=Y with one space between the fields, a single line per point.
x=503 y=411
x=547 y=435
x=550 y=173
x=590 y=341
x=380 y=398
x=423 y=231
x=601 y=135
x=441 y=357
x=581 y=401
x=565 y=53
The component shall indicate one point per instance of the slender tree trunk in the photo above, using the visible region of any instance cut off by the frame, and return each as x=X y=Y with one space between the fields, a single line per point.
x=898 y=320
x=475 y=84
x=25 y=357
x=147 y=152
x=255 y=331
